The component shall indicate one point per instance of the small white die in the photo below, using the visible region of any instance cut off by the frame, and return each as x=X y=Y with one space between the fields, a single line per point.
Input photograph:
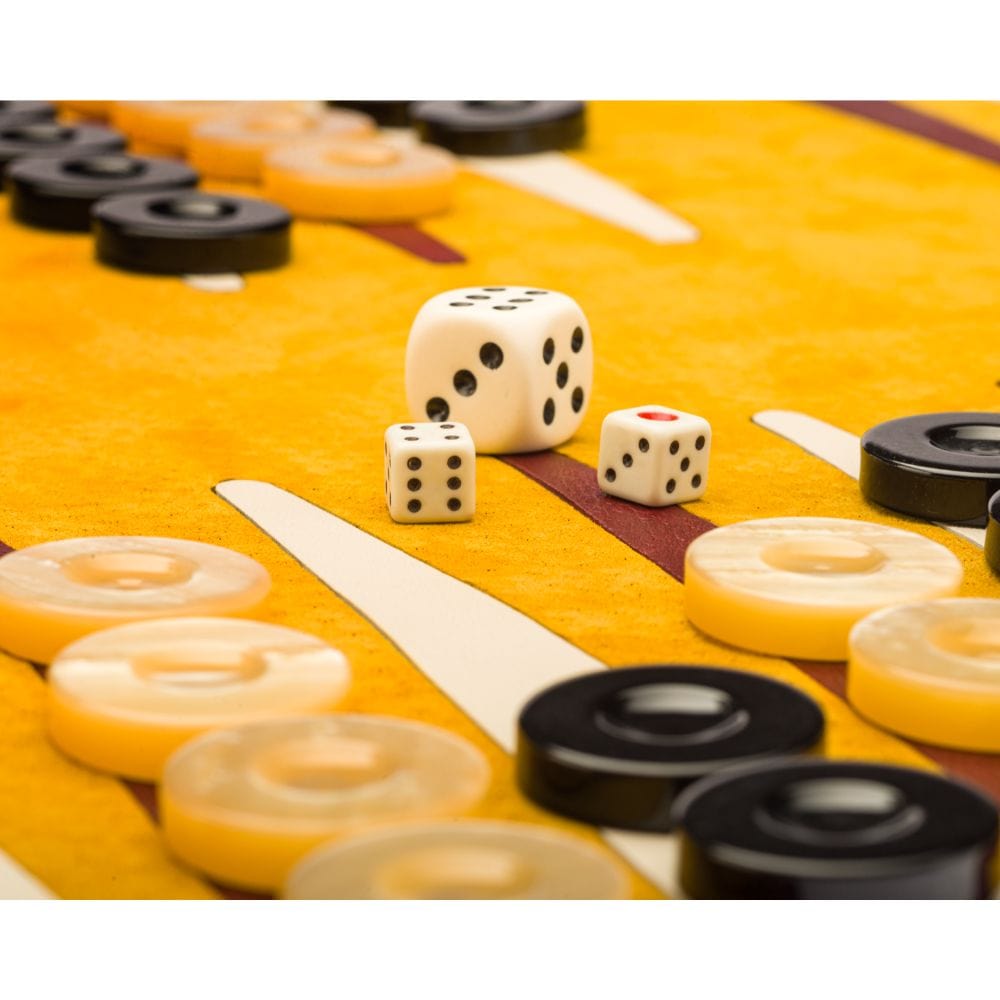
x=430 y=472
x=654 y=455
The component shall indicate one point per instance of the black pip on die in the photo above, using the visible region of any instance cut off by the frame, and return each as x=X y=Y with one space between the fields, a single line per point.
x=654 y=455
x=430 y=472
x=513 y=364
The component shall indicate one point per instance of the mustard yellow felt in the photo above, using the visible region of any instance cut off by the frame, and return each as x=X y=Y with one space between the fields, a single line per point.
x=844 y=269
x=81 y=833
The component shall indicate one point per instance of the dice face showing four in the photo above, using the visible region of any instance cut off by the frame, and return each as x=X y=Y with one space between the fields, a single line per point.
x=430 y=472
x=654 y=455
x=515 y=365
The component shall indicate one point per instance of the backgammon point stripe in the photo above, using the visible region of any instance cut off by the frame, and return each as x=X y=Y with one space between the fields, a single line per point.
x=836 y=447
x=575 y=185
x=484 y=655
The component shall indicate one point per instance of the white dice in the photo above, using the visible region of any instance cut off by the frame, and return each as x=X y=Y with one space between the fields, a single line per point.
x=430 y=472
x=515 y=365
x=654 y=455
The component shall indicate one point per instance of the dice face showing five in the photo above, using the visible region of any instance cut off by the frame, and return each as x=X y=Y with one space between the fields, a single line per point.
x=654 y=455
x=430 y=472
x=515 y=365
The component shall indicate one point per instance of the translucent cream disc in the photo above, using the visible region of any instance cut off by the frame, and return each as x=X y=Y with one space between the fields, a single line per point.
x=123 y=699
x=234 y=147
x=931 y=671
x=794 y=586
x=463 y=859
x=243 y=805
x=360 y=180
x=57 y=592
x=169 y=123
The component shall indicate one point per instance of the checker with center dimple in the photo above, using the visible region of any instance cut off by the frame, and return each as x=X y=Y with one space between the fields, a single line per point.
x=363 y=179
x=500 y=128
x=57 y=592
x=514 y=364
x=235 y=147
x=52 y=139
x=992 y=544
x=935 y=466
x=190 y=233
x=245 y=804
x=928 y=670
x=19 y=112
x=834 y=830
x=123 y=699
x=462 y=859
x=168 y=124
x=614 y=748
x=794 y=586
x=59 y=193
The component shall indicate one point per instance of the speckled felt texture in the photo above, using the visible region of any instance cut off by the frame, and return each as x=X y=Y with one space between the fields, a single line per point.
x=844 y=269
x=79 y=832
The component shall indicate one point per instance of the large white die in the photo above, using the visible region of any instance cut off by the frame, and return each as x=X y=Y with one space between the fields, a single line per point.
x=654 y=455
x=515 y=365
x=430 y=472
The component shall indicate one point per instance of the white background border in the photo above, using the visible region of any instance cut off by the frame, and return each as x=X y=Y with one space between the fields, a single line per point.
x=478 y=951
x=504 y=49
x=510 y=50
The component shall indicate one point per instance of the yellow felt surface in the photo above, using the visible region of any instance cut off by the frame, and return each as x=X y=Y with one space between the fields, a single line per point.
x=978 y=116
x=844 y=269
x=79 y=832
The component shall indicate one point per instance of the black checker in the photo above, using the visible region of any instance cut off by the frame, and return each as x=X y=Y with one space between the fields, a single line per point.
x=58 y=193
x=812 y=829
x=191 y=233
x=937 y=466
x=992 y=545
x=500 y=128
x=22 y=112
x=615 y=747
x=43 y=138
x=388 y=114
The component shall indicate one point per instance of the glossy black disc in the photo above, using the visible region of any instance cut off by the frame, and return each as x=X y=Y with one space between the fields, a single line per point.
x=815 y=829
x=614 y=748
x=58 y=193
x=936 y=466
x=500 y=128
x=992 y=546
x=45 y=138
x=22 y=112
x=191 y=233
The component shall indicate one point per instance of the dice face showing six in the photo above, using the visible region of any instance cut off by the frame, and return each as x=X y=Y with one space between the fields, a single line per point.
x=515 y=365
x=654 y=455
x=430 y=472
